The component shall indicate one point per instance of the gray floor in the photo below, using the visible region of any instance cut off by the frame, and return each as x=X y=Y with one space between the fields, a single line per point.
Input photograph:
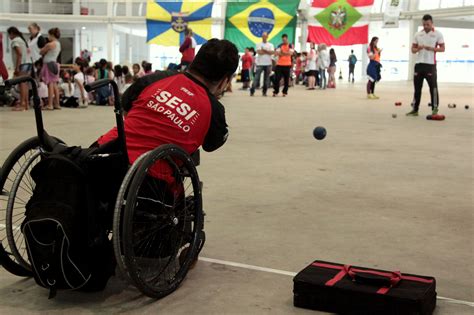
x=387 y=193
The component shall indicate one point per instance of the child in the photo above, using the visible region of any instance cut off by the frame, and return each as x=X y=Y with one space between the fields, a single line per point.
x=67 y=88
x=128 y=82
x=80 y=94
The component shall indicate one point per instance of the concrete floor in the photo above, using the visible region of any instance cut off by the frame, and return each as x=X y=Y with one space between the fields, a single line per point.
x=387 y=193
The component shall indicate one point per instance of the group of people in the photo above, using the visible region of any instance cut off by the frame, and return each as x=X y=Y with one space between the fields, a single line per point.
x=39 y=56
x=278 y=66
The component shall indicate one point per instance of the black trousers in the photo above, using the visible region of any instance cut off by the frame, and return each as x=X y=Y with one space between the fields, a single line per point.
x=425 y=71
x=281 y=72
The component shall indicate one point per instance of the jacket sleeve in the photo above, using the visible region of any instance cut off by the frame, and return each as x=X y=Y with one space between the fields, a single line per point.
x=217 y=134
x=134 y=91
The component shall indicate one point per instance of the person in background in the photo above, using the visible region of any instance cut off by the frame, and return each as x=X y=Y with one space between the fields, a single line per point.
x=298 y=68
x=90 y=77
x=426 y=44
x=3 y=68
x=35 y=42
x=80 y=79
x=102 y=94
x=128 y=82
x=322 y=64
x=332 y=69
x=263 y=62
x=67 y=89
x=21 y=63
x=147 y=68
x=373 y=69
x=352 y=62
x=284 y=53
x=50 y=68
x=137 y=70
x=247 y=61
x=311 y=67
x=119 y=77
x=187 y=49
x=125 y=70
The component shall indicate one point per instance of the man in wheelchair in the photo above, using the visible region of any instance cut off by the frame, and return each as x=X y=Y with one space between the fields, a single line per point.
x=176 y=108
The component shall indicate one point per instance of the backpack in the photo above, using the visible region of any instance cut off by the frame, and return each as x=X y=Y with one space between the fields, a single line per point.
x=352 y=59
x=64 y=229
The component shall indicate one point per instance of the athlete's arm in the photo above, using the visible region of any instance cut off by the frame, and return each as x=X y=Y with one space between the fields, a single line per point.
x=217 y=134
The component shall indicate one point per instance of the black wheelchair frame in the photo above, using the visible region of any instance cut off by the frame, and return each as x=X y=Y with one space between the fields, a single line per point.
x=153 y=273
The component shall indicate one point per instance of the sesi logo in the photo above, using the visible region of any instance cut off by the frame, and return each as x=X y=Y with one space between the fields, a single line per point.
x=180 y=113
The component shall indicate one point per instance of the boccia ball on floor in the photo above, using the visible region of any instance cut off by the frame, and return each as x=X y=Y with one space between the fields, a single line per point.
x=466 y=107
x=319 y=133
x=394 y=115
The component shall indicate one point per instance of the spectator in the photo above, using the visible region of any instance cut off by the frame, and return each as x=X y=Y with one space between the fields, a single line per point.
x=187 y=49
x=3 y=68
x=137 y=70
x=128 y=82
x=89 y=79
x=283 y=66
x=102 y=94
x=147 y=68
x=352 y=62
x=50 y=69
x=36 y=41
x=332 y=69
x=80 y=79
x=67 y=88
x=323 y=64
x=247 y=61
x=125 y=70
x=311 y=66
x=21 y=64
x=263 y=62
x=119 y=77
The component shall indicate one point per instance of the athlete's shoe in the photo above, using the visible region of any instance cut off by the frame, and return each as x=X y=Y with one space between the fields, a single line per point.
x=435 y=111
x=413 y=113
x=371 y=96
x=375 y=97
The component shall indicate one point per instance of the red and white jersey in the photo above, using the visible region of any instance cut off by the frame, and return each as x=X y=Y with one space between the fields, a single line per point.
x=431 y=39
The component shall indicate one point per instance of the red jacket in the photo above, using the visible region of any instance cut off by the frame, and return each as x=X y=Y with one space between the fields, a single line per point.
x=187 y=49
x=3 y=69
x=169 y=107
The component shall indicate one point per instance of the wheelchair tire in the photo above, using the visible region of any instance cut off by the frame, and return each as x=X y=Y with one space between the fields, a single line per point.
x=8 y=172
x=161 y=233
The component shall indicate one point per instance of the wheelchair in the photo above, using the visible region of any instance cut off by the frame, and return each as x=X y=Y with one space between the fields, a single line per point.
x=156 y=226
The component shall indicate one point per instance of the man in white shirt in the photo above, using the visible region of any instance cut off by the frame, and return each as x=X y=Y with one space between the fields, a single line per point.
x=426 y=44
x=265 y=50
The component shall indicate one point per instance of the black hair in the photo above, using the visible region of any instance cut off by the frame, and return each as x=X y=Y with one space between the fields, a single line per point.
x=81 y=63
x=125 y=70
x=147 y=67
x=12 y=30
x=332 y=53
x=284 y=35
x=55 y=32
x=216 y=60
x=427 y=17
x=118 y=70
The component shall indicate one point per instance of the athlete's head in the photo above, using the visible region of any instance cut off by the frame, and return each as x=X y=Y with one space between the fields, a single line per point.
x=264 y=37
x=427 y=23
x=215 y=63
x=284 y=38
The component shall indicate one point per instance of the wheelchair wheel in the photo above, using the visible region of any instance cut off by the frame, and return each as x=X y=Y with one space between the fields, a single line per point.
x=8 y=173
x=162 y=221
x=20 y=193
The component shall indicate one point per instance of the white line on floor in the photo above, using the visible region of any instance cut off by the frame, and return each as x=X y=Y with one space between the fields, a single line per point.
x=292 y=274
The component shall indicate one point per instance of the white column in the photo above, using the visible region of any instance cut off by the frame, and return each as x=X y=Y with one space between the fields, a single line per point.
x=110 y=42
x=128 y=8
x=76 y=8
x=412 y=28
x=77 y=45
x=30 y=6
x=365 y=61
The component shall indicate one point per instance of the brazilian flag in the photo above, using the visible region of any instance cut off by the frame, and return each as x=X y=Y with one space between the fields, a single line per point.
x=247 y=20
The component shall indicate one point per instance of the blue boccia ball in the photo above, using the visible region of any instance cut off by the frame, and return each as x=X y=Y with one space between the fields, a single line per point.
x=319 y=133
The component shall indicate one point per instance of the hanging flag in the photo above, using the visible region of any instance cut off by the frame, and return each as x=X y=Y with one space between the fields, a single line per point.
x=391 y=14
x=247 y=21
x=339 y=22
x=167 y=21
